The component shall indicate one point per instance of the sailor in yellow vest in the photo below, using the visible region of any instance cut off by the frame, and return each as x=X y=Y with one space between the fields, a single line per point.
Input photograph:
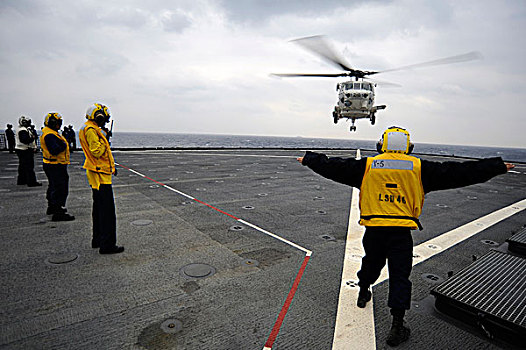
x=55 y=154
x=392 y=187
x=99 y=167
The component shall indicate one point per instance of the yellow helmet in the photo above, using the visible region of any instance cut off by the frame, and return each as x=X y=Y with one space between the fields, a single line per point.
x=52 y=120
x=395 y=140
x=98 y=113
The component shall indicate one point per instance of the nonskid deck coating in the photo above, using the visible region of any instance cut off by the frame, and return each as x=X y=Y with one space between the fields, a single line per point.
x=122 y=301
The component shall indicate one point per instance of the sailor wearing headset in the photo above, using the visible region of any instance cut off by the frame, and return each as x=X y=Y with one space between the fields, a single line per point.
x=392 y=187
x=100 y=166
x=55 y=154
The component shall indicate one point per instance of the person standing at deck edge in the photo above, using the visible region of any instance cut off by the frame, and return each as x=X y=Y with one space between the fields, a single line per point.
x=99 y=167
x=392 y=187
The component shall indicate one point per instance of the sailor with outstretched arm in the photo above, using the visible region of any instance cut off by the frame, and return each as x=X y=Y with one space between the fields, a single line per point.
x=392 y=188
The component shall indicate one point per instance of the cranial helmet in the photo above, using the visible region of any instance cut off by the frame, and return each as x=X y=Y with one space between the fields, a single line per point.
x=99 y=113
x=395 y=140
x=53 y=120
x=24 y=121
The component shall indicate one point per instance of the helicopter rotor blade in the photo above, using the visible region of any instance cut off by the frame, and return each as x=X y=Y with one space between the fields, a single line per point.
x=470 y=56
x=384 y=84
x=289 y=75
x=320 y=46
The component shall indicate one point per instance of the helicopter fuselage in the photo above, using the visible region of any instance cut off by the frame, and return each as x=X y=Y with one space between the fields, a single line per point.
x=355 y=101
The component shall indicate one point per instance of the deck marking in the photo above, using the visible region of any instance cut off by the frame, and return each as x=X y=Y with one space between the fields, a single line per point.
x=353 y=325
x=275 y=330
x=308 y=252
x=288 y=301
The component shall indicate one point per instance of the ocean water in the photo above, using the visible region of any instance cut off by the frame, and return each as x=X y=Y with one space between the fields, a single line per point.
x=161 y=140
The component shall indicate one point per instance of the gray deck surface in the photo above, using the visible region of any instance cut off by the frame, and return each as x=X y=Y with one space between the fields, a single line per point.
x=121 y=301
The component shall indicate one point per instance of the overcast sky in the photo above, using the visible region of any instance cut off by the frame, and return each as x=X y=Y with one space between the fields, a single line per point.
x=203 y=66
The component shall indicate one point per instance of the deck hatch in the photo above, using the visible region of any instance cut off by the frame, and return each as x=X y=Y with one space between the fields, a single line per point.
x=492 y=288
x=517 y=242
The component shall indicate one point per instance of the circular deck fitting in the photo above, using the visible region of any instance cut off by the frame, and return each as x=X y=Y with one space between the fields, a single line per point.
x=142 y=222
x=4 y=190
x=265 y=183
x=172 y=326
x=219 y=181
x=131 y=175
x=173 y=179
x=327 y=238
x=489 y=242
x=154 y=186
x=251 y=262
x=248 y=207
x=274 y=177
x=442 y=206
x=236 y=228
x=197 y=270
x=62 y=258
x=431 y=277
x=189 y=172
x=321 y=212
x=318 y=198
x=7 y=177
x=262 y=194
x=186 y=203
x=472 y=198
x=200 y=189
x=493 y=191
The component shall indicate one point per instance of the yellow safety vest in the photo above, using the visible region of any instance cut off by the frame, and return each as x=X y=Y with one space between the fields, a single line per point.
x=103 y=164
x=392 y=193
x=62 y=157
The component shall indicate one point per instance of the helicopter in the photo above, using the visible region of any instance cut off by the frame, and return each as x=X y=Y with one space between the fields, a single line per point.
x=356 y=97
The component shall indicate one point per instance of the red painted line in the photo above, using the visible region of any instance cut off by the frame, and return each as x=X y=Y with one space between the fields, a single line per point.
x=219 y=210
x=281 y=317
x=275 y=330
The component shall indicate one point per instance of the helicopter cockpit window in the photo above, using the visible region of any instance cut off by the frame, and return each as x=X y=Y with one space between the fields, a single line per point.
x=348 y=86
x=366 y=86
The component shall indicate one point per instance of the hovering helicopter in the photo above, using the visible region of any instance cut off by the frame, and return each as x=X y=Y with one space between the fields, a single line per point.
x=356 y=97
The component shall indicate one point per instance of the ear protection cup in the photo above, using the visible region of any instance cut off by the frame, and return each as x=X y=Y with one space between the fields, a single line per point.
x=379 y=146
x=411 y=146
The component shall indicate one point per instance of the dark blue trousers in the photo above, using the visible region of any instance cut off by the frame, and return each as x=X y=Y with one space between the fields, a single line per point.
x=395 y=245
x=58 y=184
x=104 y=218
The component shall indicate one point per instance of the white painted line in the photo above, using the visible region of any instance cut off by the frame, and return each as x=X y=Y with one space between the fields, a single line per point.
x=441 y=243
x=353 y=325
x=307 y=252
x=179 y=192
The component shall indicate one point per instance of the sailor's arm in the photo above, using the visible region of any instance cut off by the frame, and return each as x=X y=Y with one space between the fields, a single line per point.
x=54 y=144
x=441 y=176
x=96 y=147
x=348 y=171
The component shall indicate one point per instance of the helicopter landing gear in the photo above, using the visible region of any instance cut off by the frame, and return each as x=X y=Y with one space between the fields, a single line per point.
x=353 y=128
x=373 y=118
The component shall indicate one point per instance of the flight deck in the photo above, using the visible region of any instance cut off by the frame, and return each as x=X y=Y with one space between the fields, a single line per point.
x=234 y=249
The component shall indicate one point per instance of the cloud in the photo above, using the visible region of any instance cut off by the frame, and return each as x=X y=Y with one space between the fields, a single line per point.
x=202 y=66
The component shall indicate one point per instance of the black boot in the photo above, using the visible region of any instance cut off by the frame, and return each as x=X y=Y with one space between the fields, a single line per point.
x=62 y=217
x=398 y=333
x=363 y=297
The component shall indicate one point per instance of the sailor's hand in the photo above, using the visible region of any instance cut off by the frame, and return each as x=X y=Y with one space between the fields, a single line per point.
x=115 y=172
x=509 y=166
x=300 y=159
